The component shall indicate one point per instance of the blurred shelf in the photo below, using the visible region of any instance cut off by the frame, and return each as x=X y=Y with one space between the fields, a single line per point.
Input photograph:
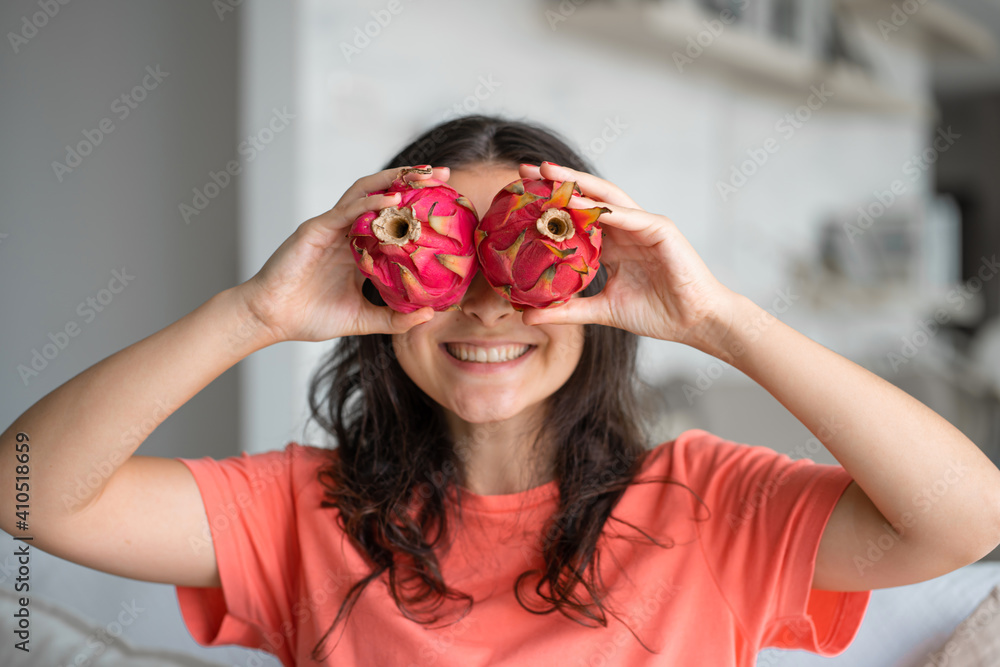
x=943 y=30
x=666 y=30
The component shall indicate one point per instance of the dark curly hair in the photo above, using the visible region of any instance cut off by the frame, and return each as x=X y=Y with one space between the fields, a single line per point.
x=393 y=444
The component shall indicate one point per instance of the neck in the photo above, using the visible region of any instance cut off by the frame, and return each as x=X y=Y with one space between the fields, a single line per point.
x=501 y=457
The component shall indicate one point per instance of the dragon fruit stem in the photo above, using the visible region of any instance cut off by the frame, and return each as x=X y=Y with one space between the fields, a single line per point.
x=556 y=224
x=396 y=226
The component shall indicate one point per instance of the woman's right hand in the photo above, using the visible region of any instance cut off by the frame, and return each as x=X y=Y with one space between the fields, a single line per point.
x=310 y=288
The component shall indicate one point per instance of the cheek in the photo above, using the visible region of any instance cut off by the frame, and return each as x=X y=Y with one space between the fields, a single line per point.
x=413 y=356
x=566 y=348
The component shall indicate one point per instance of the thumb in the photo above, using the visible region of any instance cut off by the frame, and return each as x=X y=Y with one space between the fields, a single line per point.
x=394 y=322
x=384 y=320
x=580 y=310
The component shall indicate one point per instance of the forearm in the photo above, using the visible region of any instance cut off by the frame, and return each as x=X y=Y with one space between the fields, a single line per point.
x=931 y=482
x=81 y=432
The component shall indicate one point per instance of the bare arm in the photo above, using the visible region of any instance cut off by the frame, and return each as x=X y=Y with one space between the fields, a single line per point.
x=95 y=503
x=938 y=493
x=925 y=499
x=82 y=435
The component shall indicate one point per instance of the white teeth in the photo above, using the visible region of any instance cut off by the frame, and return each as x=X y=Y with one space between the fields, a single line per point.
x=490 y=355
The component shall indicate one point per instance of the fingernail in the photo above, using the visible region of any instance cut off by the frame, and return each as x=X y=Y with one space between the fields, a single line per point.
x=423 y=166
x=552 y=163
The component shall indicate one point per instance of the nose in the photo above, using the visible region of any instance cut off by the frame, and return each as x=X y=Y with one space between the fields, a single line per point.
x=483 y=303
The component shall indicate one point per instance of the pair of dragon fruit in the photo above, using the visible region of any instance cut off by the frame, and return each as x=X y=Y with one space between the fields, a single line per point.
x=531 y=247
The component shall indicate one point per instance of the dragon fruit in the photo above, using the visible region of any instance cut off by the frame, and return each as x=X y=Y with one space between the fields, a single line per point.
x=420 y=252
x=533 y=249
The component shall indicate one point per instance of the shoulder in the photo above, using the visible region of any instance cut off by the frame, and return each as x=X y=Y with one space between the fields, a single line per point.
x=309 y=455
x=292 y=456
x=291 y=469
x=696 y=453
x=757 y=516
x=732 y=476
x=305 y=462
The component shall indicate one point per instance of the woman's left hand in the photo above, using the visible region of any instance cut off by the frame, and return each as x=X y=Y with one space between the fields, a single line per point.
x=657 y=285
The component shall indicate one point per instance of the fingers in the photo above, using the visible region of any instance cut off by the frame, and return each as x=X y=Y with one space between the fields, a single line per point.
x=529 y=171
x=625 y=215
x=590 y=185
x=352 y=211
x=348 y=210
x=366 y=184
x=367 y=203
x=332 y=223
x=582 y=310
x=382 y=319
x=649 y=228
x=439 y=173
x=384 y=178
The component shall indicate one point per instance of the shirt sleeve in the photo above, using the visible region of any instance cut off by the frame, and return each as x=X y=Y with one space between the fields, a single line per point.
x=768 y=516
x=250 y=504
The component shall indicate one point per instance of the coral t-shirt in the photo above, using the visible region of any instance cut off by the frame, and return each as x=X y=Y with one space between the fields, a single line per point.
x=733 y=576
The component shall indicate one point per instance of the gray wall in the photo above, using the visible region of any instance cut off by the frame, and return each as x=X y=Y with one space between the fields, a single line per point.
x=117 y=209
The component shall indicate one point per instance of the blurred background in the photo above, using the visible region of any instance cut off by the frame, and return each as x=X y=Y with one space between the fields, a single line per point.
x=831 y=159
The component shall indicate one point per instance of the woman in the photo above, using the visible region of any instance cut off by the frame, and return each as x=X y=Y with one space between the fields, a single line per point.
x=467 y=500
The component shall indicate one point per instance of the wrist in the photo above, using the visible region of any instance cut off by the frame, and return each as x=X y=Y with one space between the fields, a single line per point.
x=246 y=331
x=732 y=328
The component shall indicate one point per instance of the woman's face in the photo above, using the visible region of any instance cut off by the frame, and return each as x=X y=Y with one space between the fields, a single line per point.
x=484 y=388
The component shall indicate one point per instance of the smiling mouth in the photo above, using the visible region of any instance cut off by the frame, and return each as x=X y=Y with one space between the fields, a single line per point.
x=486 y=355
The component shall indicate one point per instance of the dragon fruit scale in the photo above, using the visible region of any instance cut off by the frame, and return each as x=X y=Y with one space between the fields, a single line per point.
x=533 y=249
x=421 y=251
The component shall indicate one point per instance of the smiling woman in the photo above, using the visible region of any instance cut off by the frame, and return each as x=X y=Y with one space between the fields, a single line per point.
x=489 y=469
x=474 y=400
x=476 y=410
x=455 y=357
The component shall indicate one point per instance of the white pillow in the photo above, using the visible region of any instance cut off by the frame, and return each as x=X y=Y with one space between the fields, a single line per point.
x=976 y=641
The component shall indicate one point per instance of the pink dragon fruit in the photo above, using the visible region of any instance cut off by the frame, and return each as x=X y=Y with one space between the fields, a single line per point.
x=534 y=250
x=421 y=252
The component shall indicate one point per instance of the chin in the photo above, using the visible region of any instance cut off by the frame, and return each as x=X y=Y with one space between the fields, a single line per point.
x=483 y=409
